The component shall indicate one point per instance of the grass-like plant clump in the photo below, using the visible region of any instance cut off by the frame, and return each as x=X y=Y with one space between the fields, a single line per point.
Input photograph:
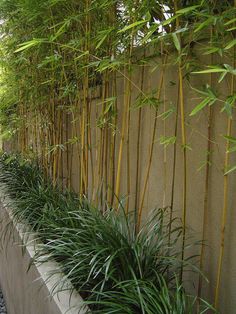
x=114 y=268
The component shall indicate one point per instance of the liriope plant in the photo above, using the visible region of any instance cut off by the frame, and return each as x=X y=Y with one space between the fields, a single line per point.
x=112 y=266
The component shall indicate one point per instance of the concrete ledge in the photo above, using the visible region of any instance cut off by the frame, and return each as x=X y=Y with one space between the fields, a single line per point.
x=30 y=291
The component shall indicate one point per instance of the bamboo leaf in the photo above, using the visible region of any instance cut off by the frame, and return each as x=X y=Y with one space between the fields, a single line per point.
x=29 y=44
x=167 y=114
x=188 y=9
x=210 y=92
x=222 y=76
x=61 y=30
x=228 y=109
x=229 y=104
x=104 y=35
x=230 y=69
x=231 y=139
x=135 y=24
x=167 y=140
x=231 y=21
x=201 y=92
x=211 y=70
x=211 y=50
x=204 y=24
x=151 y=31
x=230 y=170
x=231 y=29
x=176 y=42
x=169 y=20
x=231 y=44
x=200 y=106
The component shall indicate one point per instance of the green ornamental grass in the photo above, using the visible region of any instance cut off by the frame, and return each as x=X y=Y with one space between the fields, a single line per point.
x=114 y=268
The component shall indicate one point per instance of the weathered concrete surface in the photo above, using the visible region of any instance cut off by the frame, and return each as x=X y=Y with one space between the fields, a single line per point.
x=28 y=291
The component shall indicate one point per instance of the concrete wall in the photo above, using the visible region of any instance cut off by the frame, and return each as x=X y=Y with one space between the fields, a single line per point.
x=29 y=291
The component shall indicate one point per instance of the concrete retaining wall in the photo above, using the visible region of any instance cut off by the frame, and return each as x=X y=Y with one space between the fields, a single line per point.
x=29 y=291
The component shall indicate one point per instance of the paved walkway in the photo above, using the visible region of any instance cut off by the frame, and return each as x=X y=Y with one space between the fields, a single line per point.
x=2 y=305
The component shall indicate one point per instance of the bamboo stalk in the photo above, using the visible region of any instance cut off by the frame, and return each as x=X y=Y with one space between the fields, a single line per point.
x=90 y=147
x=173 y=171
x=206 y=188
x=97 y=155
x=68 y=182
x=224 y=218
x=165 y=150
x=58 y=134
x=75 y=128
x=113 y=148
x=126 y=120
x=184 y=142
x=121 y=146
x=108 y=144
x=125 y=129
x=137 y=179
x=100 y=180
x=225 y=205
x=184 y=162
x=128 y=138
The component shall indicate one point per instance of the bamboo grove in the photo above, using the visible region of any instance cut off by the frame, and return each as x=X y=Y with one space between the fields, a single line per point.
x=79 y=78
